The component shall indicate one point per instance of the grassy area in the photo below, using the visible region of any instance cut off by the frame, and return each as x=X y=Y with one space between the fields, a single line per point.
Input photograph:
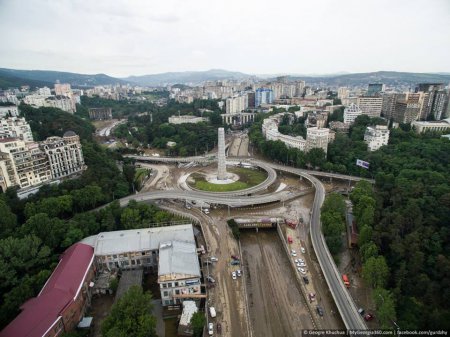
x=248 y=178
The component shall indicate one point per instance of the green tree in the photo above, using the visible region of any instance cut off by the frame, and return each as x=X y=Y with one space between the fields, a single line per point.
x=365 y=235
x=8 y=220
x=385 y=304
x=130 y=218
x=131 y=315
x=375 y=271
x=198 y=322
x=368 y=250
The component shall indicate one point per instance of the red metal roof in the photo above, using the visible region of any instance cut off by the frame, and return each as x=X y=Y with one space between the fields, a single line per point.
x=41 y=312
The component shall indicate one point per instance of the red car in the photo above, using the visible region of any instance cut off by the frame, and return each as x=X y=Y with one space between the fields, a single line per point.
x=234 y=257
x=368 y=317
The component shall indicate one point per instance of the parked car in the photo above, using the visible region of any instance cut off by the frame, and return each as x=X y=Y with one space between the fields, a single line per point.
x=361 y=311
x=303 y=250
x=235 y=262
x=212 y=312
x=312 y=297
x=233 y=275
x=369 y=317
x=235 y=257
x=210 y=279
x=302 y=264
x=305 y=279
x=238 y=273
x=301 y=270
x=301 y=260
x=214 y=259
x=210 y=329
x=319 y=310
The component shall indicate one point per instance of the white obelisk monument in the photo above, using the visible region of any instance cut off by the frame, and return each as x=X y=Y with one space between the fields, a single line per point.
x=221 y=160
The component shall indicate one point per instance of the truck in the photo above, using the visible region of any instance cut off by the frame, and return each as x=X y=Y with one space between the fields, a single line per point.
x=345 y=280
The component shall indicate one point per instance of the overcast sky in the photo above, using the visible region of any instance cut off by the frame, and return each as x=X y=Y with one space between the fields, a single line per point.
x=137 y=37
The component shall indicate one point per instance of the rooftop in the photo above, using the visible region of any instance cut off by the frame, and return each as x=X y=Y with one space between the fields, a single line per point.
x=136 y=240
x=177 y=257
x=41 y=312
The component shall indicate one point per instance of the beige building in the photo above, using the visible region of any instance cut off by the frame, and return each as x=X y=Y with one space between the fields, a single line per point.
x=438 y=126
x=236 y=104
x=410 y=107
x=64 y=155
x=63 y=89
x=370 y=106
x=15 y=127
x=317 y=138
x=22 y=164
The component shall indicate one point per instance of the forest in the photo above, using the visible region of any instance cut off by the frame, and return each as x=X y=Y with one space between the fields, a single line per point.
x=404 y=224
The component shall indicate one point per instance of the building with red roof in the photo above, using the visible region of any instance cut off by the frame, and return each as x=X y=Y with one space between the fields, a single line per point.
x=62 y=301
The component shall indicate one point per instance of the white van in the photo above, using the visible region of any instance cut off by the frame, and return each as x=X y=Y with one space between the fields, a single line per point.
x=212 y=312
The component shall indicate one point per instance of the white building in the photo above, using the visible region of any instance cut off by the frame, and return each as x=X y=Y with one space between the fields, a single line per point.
x=15 y=127
x=236 y=104
x=64 y=155
x=343 y=92
x=9 y=111
x=45 y=91
x=351 y=113
x=187 y=119
x=438 y=126
x=376 y=137
x=317 y=138
x=370 y=106
x=270 y=132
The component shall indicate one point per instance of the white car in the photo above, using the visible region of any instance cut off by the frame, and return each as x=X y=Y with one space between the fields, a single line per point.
x=301 y=270
x=214 y=259
x=301 y=261
x=303 y=250
x=296 y=260
x=293 y=253
x=210 y=329
x=233 y=275
x=301 y=264
x=238 y=273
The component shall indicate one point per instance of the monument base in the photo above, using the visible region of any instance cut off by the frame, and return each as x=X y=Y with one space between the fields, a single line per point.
x=231 y=178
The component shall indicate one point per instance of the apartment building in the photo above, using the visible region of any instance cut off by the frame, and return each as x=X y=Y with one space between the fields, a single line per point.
x=317 y=138
x=64 y=155
x=263 y=96
x=370 y=106
x=9 y=111
x=375 y=89
x=236 y=104
x=15 y=127
x=376 y=137
x=22 y=164
x=410 y=107
x=63 y=89
x=343 y=92
x=351 y=113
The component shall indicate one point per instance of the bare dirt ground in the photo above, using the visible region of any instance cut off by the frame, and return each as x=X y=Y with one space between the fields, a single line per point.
x=100 y=308
x=277 y=307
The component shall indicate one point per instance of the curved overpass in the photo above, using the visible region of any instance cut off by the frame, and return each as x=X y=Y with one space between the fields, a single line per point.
x=344 y=302
x=212 y=158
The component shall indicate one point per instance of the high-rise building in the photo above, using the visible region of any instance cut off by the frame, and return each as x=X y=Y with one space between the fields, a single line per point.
x=22 y=164
x=376 y=136
x=263 y=96
x=15 y=127
x=409 y=107
x=370 y=106
x=437 y=101
x=251 y=99
x=375 y=89
x=388 y=105
x=64 y=154
x=351 y=113
x=300 y=88
x=236 y=104
x=343 y=92
x=63 y=89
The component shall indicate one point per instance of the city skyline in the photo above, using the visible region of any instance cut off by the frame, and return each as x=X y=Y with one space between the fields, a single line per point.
x=286 y=37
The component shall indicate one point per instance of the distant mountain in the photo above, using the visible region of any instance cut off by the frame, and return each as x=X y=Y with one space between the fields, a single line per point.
x=391 y=78
x=8 y=81
x=50 y=77
x=186 y=77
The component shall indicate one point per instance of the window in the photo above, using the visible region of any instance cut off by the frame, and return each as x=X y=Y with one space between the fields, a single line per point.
x=165 y=293
x=176 y=284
